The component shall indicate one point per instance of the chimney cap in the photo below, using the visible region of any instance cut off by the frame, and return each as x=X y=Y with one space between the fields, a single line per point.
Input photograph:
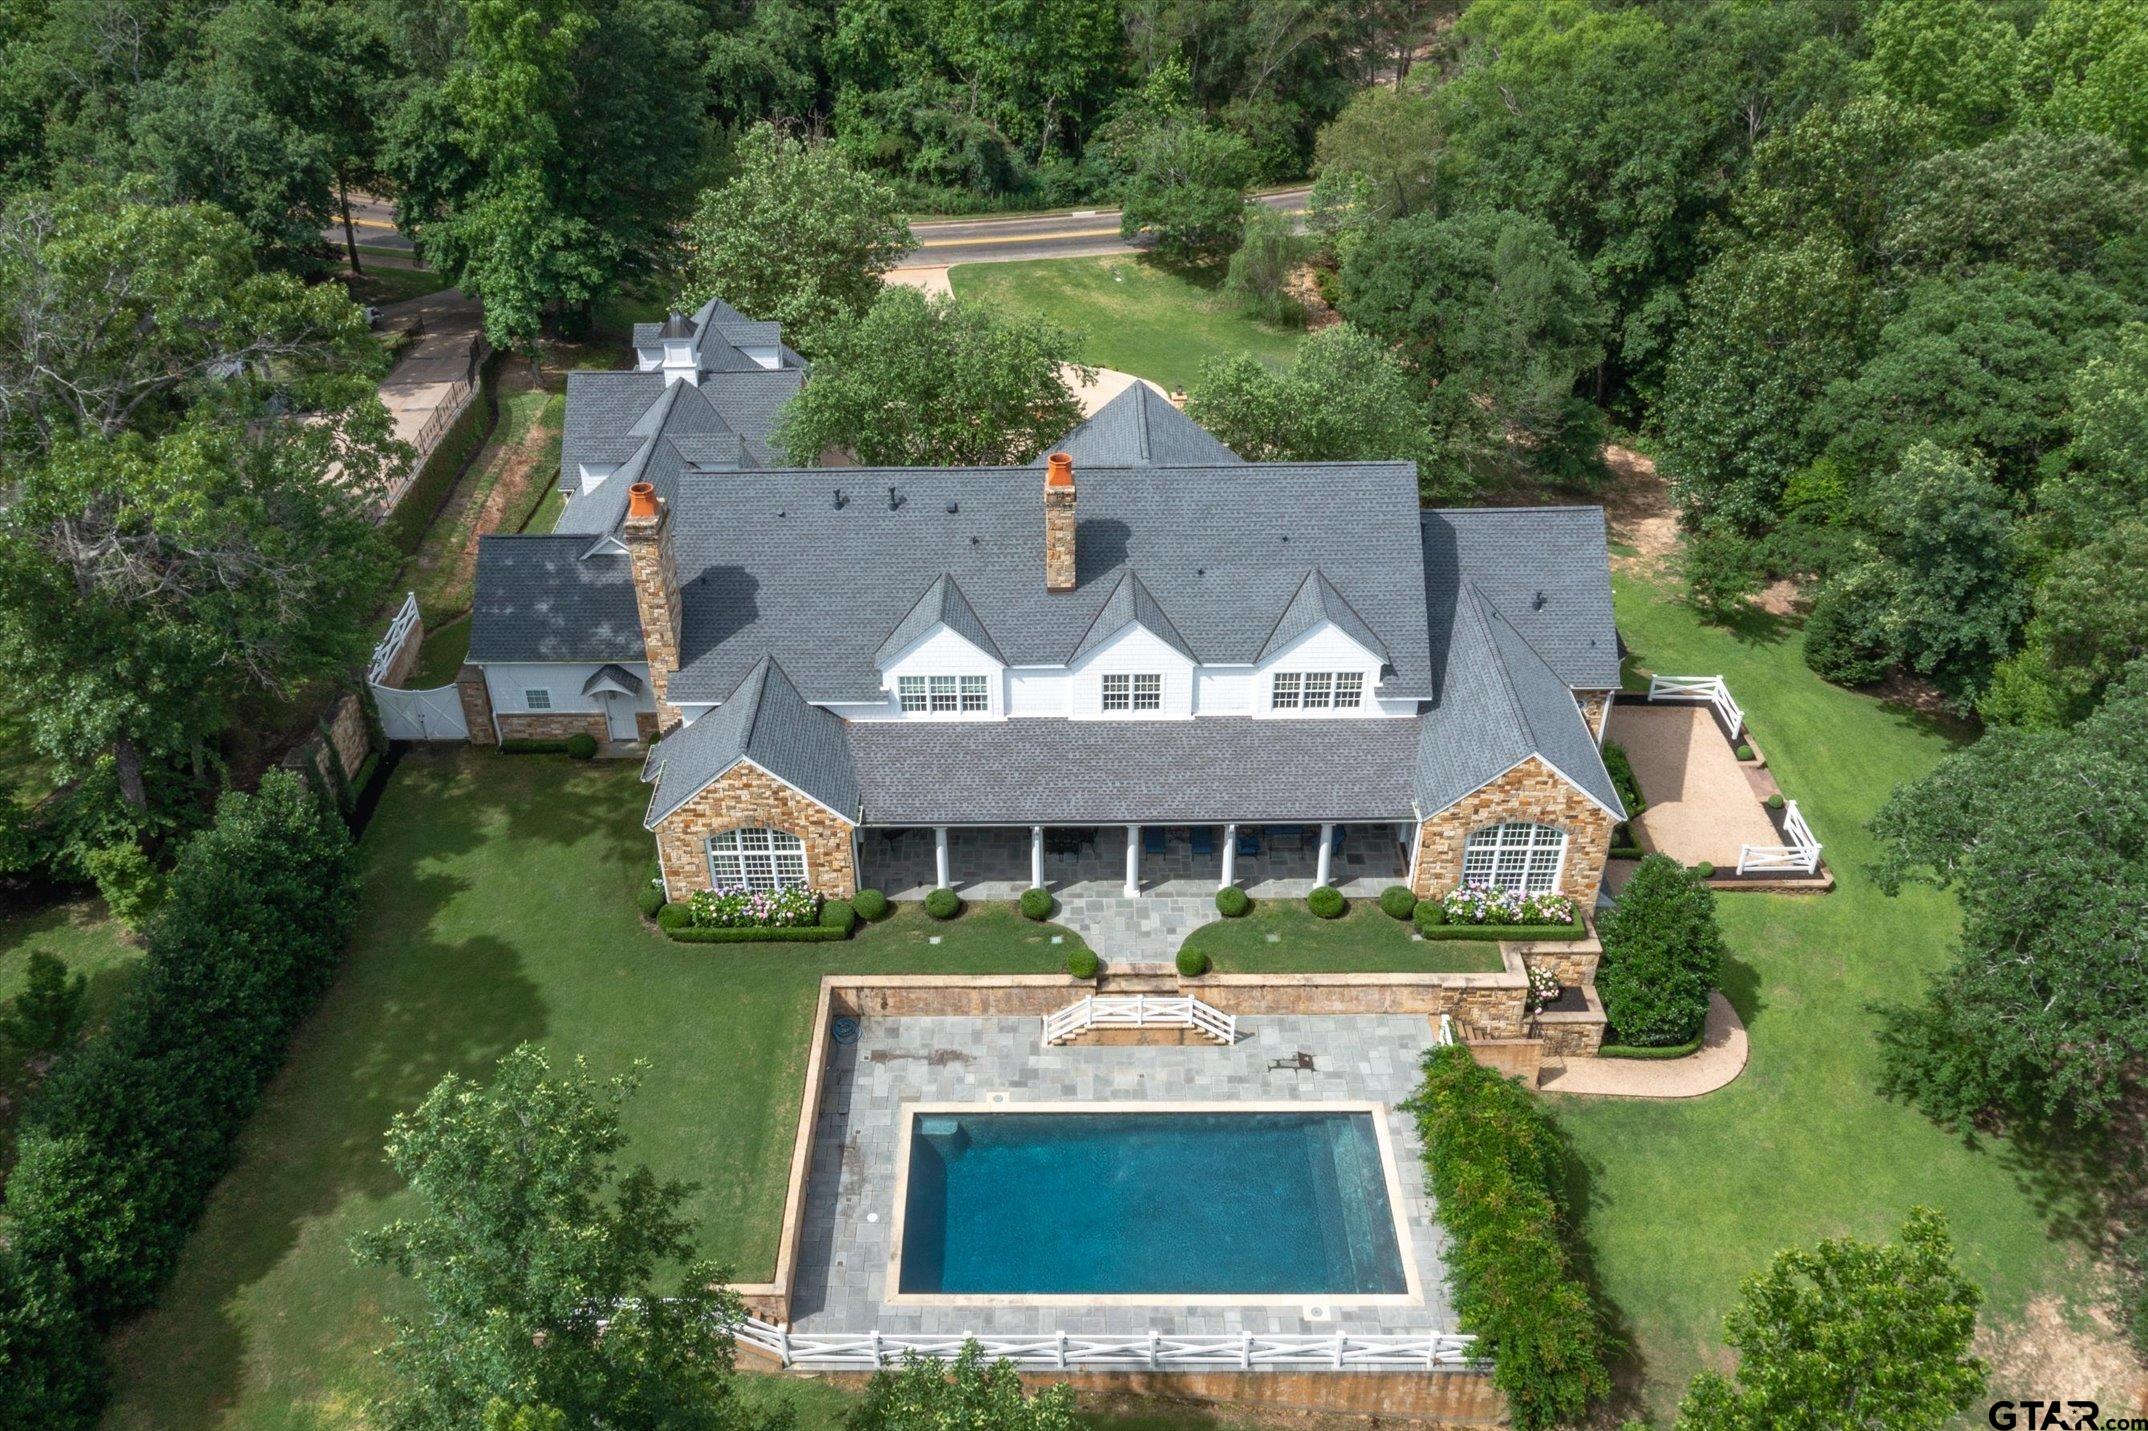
x=676 y=325
x=641 y=500
x=1059 y=470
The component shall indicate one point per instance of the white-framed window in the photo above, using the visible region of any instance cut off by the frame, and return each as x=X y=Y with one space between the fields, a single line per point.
x=1316 y=690
x=1517 y=856
x=536 y=700
x=944 y=695
x=756 y=859
x=1141 y=691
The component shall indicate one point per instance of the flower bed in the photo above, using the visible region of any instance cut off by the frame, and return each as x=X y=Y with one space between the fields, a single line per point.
x=788 y=907
x=1480 y=912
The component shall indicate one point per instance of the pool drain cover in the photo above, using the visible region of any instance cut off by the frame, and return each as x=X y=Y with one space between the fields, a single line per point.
x=845 y=1030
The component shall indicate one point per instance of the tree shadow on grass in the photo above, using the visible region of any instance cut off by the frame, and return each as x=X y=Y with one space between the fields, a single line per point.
x=1629 y=1372
x=1740 y=983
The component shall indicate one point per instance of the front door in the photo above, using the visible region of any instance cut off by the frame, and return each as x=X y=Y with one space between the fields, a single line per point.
x=619 y=715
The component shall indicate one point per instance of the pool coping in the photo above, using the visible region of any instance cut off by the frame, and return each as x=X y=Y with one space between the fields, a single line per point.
x=1398 y=1215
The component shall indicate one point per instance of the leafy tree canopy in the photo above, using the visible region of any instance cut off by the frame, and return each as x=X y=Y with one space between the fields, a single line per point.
x=2028 y=200
x=1959 y=59
x=970 y=1395
x=2081 y=69
x=1377 y=160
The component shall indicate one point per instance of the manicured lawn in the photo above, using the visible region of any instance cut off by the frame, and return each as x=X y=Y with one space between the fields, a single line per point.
x=497 y=910
x=1683 y=1199
x=89 y=942
x=441 y=656
x=1282 y=935
x=1132 y=315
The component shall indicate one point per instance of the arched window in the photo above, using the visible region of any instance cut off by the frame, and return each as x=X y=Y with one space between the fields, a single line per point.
x=1517 y=856
x=756 y=859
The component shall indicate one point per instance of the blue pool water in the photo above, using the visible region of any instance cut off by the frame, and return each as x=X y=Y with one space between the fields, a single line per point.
x=1185 y=1203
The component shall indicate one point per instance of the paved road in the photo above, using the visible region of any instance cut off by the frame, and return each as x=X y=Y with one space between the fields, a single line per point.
x=1018 y=236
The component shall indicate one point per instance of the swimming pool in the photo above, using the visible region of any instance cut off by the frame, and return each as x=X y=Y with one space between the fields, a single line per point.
x=1232 y=1203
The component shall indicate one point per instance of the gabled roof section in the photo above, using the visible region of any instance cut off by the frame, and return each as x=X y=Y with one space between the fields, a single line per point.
x=537 y=599
x=1130 y=604
x=767 y=722
x=1545 y=569
x=1501 y=703
x=942 y=604
x=1141 y=428
x=1315 y=603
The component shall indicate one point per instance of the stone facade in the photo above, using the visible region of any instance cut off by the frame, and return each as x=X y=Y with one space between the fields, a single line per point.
x=1595 y=711
x=1531 y=791
x=656 y=595
x=744 y=796
x=1570 y=1035
x=1059 y=524
x=1573 y=968
x=476 y=704
x=554 y=725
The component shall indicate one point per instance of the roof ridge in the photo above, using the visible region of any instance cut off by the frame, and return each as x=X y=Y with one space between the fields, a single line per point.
x=1328 y=585
x=1276 y=625
x=1486 y=613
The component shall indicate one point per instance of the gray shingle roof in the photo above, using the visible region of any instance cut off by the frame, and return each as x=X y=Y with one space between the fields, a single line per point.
x=1543 y=568
x=768 y=562
x=1156 y=772
x=1140 y=428
x=942 y=603
x=539 y=600
x=609 y=677
x=1129 y=604
x=767 y=722
x=1318 y=601
x=612 y=415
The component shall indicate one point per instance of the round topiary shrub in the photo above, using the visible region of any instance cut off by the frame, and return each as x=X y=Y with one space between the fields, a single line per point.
x=1325 y=901
x=672 y=917
x=1744 y=752
x=1231 y=901
x=581 y=745
x=870 y=904
x=1663 y=954
x=1704 y=869
x=1775 y=802
x=1397 y=902
x=1083 y=964
x=1035 y=903
x=1192 y=963
x=1429 y=915
x=839 y=914
x=943 y=904
x=649 y=901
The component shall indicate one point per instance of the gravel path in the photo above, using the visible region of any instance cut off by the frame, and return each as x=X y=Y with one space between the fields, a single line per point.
x=1720 y=1058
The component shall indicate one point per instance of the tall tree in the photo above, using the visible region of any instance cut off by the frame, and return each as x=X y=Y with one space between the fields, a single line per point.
x=2081 y=69
x=1957 y=58
x=799 y=236
x=537 y=1259
x=1377 y=160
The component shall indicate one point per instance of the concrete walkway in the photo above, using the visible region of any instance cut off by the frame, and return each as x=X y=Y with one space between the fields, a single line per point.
x=433 y=369
x=1720 y=1058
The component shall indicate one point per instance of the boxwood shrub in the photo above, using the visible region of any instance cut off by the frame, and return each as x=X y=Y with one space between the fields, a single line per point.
x=1663 y=955
x=757 y=933
x=838 y=914
x=671 y=918
x=1326 y=901
x=1495 y=1165
x=1192 y=963
x=1035 y=904
x=1775 y=802
x=1397 y=902
x=1083 y=963
x=581 y=746
x=871 y=904
x=1231 y=901
x=1620 y=768
x=943 y=904
x=1744 y=752
x=649 y=900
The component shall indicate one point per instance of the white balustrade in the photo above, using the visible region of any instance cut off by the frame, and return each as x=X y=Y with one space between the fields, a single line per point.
x=1139 y=1011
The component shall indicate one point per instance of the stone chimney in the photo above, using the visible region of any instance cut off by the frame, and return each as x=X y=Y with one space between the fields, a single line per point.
x=647 y=534
x=1059 y=523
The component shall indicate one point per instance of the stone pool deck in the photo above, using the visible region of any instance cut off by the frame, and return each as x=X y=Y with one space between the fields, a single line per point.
x=849 y=1207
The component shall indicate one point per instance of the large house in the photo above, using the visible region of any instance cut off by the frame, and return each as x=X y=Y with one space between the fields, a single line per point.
x=1141 y=633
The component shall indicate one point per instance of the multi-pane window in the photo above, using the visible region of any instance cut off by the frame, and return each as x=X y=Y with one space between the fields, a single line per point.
x=1138 y=692
x=944 y=695
x=1316 y=690
x=536 y=700
x=1516 y=856
x=756 y=859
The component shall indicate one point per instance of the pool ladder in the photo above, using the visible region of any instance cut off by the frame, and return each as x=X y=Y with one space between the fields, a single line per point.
x=1139 y=1011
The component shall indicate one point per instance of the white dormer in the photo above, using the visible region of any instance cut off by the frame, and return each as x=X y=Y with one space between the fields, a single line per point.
x=944 y=676
x=594 y=473
x=1134 y=674
x=766 y=355
x=1323 y=673
x=679 y=362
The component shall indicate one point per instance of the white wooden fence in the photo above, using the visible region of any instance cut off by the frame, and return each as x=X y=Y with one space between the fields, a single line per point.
x=1139 y=1011
x=433 y=714
x=1800 y=856
x=1139 y=1351
x=1700 y=688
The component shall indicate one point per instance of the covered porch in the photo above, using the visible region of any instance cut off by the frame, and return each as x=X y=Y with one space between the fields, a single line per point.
x=1273 y=861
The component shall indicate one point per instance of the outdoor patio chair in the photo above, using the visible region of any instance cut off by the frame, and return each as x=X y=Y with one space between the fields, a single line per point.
x=1152 y=840
x=1248 y=842
x=1204 y=840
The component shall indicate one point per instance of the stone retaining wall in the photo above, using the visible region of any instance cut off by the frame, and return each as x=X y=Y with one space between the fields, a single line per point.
x=556 y=725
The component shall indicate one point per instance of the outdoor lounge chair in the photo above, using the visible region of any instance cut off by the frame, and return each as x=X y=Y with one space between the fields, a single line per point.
x=1152 y=840
x=1204 y=840
x=1248 y=842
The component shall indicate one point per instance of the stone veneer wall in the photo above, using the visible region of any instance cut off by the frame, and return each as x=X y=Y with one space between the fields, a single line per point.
x=1531 y=791
x=747 y=795
x=476 y=704
x=656 y=597
x=1059 y=538
x=1595 y=709
x=554 y=725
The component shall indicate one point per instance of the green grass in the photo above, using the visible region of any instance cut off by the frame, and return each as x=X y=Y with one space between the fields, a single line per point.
x=1363 y=940
x=1132 y=314
x=89 y=942
x=497 y=910
x=1683 y=1199
x=441 y=656
x=439 y=571
x=381 y=285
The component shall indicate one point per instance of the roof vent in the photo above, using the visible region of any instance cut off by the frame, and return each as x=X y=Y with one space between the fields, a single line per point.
x=953 y=505
x=1538 y=603
x=839 y=499
x=894 y=501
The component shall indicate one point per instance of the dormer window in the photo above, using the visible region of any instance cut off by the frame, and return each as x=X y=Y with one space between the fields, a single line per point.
x=1142 y=691
x=1316 y=690
x=944 y=695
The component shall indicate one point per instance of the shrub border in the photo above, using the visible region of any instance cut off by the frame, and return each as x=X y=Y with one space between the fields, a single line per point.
x=760 y=934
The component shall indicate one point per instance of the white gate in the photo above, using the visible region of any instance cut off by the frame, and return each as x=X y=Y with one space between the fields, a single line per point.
x=434 y=714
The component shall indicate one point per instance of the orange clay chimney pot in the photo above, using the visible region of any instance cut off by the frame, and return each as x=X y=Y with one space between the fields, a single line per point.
x=1059 y=470
x=641 y=500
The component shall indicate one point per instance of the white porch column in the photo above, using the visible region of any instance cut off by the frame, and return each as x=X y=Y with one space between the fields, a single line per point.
x=1036 y=857
x=1230 y=857
x=1133 y=862
x=939 y=855
x=1327 y=853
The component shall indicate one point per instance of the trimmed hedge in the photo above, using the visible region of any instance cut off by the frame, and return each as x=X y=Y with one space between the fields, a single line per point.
x=118 y=1151
x=1398 y=902
x=871 y=904
x=1620 y=767
x=581 y=746
x=1432 y=924
x=435 y=482
x=1232 y=902
x=839 y=914
x=1627 y=1050
x=943 y=904
x=1083 y=964
x=1495 y=1164
x=761 y=934
x=1035 y=904
x=1326 y=902
x=1192 y=963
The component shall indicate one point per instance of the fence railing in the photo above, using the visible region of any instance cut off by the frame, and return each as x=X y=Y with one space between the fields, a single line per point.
x=443 y=416
x=1700 y=688
x=1140 y=1351
x=1139 y=1011
x=391 y=645
x=1800 y=856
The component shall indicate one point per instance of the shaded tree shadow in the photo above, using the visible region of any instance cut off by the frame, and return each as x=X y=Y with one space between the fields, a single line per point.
x=1578 y=1190
x=1740 y=983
